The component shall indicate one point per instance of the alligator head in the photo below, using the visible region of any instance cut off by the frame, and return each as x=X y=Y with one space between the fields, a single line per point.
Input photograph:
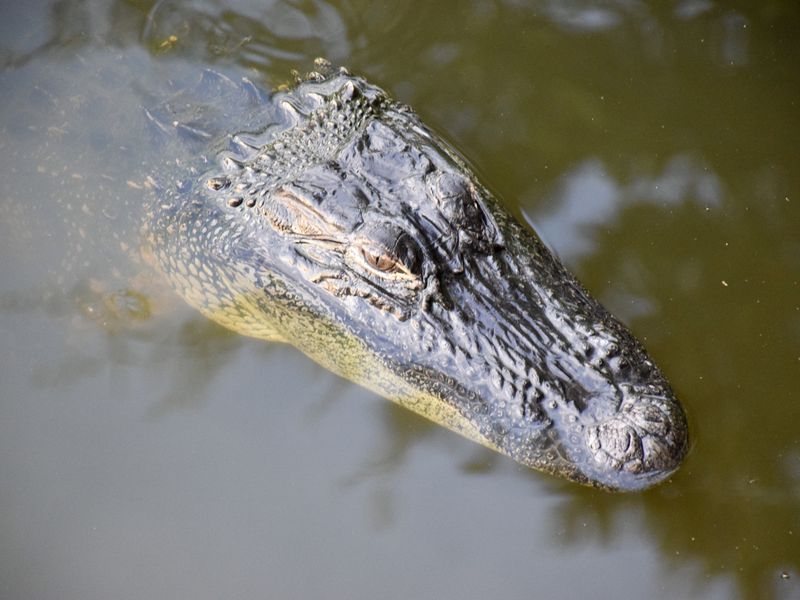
x=349 y=229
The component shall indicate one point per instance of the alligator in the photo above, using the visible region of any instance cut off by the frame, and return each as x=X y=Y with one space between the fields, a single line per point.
x=343 y=225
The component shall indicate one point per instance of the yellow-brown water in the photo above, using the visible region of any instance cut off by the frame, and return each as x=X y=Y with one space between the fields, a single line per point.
x=144 y=452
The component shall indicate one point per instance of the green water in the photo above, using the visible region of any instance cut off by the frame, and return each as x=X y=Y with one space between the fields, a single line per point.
x=146 y=453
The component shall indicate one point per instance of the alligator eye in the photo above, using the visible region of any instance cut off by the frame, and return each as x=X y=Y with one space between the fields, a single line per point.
x=383 y=262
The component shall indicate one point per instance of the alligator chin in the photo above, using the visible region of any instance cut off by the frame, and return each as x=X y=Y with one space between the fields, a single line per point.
x=351 y=230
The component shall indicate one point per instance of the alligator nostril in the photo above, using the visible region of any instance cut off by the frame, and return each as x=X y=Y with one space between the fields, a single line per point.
x=616 y=444
x=648 y=419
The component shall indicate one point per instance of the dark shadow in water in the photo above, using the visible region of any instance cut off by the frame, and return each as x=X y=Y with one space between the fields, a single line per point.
x=720 y=320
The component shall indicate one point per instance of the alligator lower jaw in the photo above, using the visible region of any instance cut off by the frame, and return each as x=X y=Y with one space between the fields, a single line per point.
x=639 y=446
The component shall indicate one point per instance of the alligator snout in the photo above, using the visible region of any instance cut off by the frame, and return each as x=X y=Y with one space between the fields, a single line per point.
x=617 y=440
x=642 y=443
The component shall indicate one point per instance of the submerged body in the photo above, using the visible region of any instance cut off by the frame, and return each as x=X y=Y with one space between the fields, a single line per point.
x=338 y=222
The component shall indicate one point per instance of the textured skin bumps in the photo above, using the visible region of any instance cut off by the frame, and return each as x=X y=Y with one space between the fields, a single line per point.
x=335 y=220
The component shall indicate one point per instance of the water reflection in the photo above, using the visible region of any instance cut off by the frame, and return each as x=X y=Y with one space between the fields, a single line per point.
x=727 y=37
x=254 y=34
x=588 y=199
x=584 y=16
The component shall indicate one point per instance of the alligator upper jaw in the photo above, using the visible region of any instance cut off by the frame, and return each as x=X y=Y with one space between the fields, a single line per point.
x=564 y=387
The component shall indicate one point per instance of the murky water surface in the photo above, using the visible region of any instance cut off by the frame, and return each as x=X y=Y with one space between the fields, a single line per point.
x=146 y=453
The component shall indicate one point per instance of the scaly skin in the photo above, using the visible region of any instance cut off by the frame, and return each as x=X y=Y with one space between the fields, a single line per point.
x=347 y=228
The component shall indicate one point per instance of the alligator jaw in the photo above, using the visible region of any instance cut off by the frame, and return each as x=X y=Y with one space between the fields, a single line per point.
x=563 y=386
